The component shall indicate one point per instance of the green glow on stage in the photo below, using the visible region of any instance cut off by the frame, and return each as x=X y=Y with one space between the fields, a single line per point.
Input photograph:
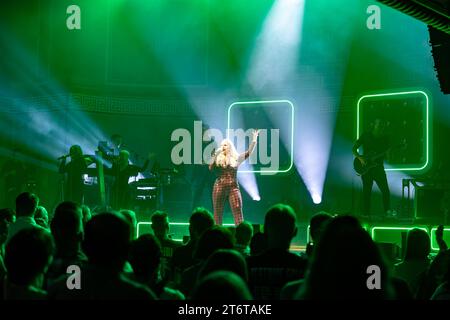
x=394 y=229
x=434 y=245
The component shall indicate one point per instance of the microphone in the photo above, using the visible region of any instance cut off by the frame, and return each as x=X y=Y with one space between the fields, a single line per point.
x=63 y=157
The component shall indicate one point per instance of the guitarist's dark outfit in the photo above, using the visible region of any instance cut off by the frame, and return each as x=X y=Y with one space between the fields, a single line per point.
x=375 y=146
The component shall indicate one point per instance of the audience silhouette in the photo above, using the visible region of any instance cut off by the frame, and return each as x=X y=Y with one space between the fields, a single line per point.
x=28 y=255
x=73 y=254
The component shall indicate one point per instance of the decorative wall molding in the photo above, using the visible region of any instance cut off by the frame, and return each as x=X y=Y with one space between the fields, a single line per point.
x=99 y=104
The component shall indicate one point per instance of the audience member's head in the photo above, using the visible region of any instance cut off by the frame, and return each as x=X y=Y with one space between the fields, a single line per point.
x=26 y=204
x=27 y=256
x=244 y=233
x=225 y=260
x=106 y=241
x=317 y=223
x=340 y=262
x=279 y=226
x=160 y=224
x=222 y=286
x=258 y=244
x=145 y=256
x=211 y=240
x=117 y=140
x=131 y=218
x=41 y=217
x=200 y=221
x=86 y=211
x=7 y=216
x=417 y=245
x=75 y=152
x=67 y=228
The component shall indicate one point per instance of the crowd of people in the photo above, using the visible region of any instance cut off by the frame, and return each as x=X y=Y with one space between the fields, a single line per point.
x=74 y=254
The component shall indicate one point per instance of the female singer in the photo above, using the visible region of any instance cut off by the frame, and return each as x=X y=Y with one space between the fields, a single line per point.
x=226 y=162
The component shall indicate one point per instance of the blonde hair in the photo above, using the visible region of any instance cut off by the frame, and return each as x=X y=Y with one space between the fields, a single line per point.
x=231 y=159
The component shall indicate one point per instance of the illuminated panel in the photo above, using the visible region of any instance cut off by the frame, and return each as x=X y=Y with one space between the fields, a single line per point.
x=392 y=234
x=271 y=111
x=434 y=244
x=407 y=114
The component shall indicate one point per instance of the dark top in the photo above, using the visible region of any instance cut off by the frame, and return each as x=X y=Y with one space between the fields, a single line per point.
x=271 y=270
x=100 y=284
x=183 y=257
x=60 y=263
x=168 y=247
x=189 y=278
x=374 y=146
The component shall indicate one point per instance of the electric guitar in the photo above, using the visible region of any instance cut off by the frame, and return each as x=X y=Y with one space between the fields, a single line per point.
x=361 y=169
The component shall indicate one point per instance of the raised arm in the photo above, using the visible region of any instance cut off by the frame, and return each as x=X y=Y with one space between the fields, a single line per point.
x=440 y=238
x=251 y=148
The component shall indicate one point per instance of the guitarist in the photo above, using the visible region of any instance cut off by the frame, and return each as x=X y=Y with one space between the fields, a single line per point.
x=374 y=142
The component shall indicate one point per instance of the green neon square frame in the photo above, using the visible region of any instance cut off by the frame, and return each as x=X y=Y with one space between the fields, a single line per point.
x=255 y=104
x=434 y=245
x=372 y=231
x=427 y=126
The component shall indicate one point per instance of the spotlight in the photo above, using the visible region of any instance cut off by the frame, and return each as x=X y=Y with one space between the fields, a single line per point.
x=256 y=198
x=316 y=198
